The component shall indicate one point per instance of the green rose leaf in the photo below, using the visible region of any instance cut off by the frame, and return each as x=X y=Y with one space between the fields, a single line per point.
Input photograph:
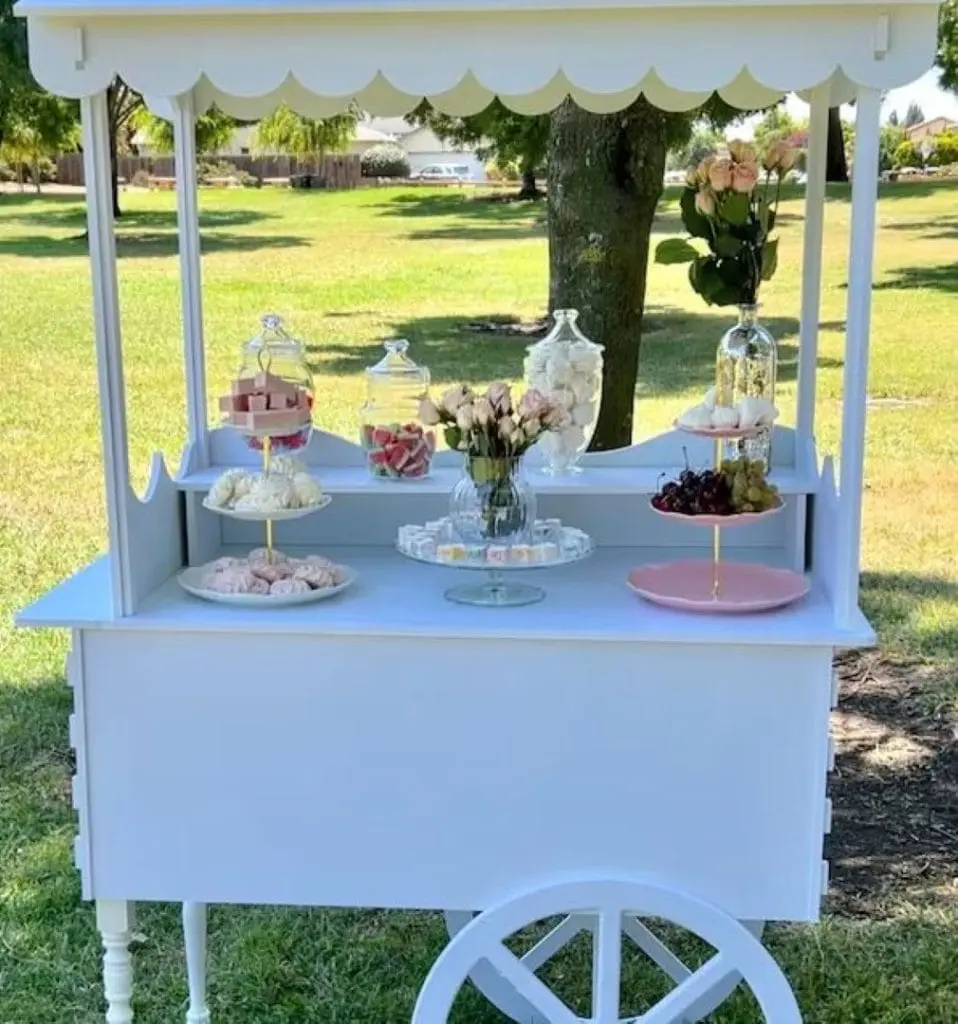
x=727 y=245
x=763 y=211
x=675 y=250
x=769 y=259
x=734 y=208
x=697 y=224
x=453 y=436
x=705 y=278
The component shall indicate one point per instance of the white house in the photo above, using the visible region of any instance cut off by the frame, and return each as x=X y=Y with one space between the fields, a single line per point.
x=423 y=147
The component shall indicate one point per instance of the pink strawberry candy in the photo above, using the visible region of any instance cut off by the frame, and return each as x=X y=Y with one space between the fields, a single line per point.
x=382 y=436
x=378 y=457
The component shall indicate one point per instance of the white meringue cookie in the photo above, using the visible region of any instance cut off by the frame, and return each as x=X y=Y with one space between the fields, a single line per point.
x=709 y=400
x=699 y=417
x=756 y=412
x=307 y=491
x=724 y=416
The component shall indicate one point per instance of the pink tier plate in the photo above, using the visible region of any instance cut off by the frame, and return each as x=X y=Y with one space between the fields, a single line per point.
x=720 y=433
x=740 y=519
x=743 y=587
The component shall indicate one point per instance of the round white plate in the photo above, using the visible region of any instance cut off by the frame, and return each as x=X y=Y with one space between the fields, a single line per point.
x=277 y=516
x=191 y=580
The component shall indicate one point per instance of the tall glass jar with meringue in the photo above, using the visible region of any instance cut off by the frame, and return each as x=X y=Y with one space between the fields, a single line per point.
x=397 y=444
x=566 y=367
x=746 y=366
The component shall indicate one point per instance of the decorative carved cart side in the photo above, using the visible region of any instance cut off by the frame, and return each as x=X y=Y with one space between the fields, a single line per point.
x=637 y=762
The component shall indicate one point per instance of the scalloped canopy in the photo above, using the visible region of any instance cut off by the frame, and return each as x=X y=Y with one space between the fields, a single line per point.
x=319 y=55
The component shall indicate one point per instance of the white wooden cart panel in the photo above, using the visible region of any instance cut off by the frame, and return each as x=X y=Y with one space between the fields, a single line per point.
x=390 y=772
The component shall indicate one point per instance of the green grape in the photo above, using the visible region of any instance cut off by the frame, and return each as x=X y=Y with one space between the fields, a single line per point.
x=755 y=495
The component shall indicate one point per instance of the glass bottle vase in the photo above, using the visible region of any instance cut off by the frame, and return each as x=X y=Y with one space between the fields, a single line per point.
x=492 y=503
x=746 y=366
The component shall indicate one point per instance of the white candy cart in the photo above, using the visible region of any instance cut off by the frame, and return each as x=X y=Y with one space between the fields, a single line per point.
x=634 y=762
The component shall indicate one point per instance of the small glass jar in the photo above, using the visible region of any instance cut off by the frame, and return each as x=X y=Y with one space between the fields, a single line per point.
x=492 y=503
x=746 y=365
x=567 y=368
x=272 y=395
x=397 y=445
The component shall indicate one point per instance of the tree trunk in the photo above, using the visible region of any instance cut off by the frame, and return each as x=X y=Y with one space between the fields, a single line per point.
x=528 y=189
x=114 y=182
x=605 y=179
x=35 y=171
x=836 y=166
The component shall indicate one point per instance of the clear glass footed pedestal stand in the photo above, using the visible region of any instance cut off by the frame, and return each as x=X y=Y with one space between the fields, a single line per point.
x=499 y=589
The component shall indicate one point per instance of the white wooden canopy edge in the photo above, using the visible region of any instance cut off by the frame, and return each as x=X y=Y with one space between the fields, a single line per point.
x=320 y=55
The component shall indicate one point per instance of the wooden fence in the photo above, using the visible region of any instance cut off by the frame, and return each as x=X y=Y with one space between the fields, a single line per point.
x=339 y=171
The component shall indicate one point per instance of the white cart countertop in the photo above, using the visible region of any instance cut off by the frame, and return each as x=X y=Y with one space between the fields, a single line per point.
x=398 y=597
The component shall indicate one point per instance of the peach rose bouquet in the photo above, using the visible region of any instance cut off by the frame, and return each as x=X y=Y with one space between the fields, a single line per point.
x=492 y=425
x=727 y=205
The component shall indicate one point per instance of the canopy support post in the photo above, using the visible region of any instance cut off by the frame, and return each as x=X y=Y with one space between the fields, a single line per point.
x=98 y=177
x=812 y=263
x=855 y=383
x=191 y=290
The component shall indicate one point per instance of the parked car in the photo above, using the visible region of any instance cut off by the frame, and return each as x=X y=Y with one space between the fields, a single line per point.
x=443 y=172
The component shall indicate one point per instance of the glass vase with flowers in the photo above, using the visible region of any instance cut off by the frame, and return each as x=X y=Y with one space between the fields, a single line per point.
x=492 y=502
x=732 y=208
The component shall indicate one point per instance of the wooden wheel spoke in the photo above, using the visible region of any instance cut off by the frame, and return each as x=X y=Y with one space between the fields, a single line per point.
x=673 y=1007
x=550 y=944
x=535 y=992
x=607 y=968
x=655 y=949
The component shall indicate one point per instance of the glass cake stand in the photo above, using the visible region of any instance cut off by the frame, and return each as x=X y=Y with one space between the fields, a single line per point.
x=498 y=589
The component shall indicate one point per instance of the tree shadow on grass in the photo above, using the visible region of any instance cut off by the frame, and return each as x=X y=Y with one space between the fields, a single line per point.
x=153 y=220
x=943 y=277
x=678 y=349
x=142 y=245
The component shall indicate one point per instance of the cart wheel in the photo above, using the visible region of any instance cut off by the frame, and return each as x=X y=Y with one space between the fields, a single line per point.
x=507 y=999
x=605 y=907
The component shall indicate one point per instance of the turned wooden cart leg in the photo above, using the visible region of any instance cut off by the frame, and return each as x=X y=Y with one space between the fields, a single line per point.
x=194 y=938
x=114 y=919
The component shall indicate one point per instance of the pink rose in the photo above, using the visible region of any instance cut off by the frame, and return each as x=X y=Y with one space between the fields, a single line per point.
x=744 y=177
x=703 y=170
x=532 y=403
x=455 y=397
x=482 y=412
x=500 y=397
x=720 y=174
x=705 y=201
x=465 y=417
x=741 y=152
x=428 y=413
x=507 y=428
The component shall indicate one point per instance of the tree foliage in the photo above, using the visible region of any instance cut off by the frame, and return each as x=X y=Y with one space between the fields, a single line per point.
x=702 y=142
x=913 y=115
x=893 y=119
x=285 y=131
x=387 y=160
x=891 y=136
x=948 y=44
x=945 y=152
x=777 y=125
x=214 y=129
x=907 y=155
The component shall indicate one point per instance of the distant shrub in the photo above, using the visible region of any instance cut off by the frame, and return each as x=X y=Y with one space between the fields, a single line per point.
x=384 y=161
x=208 y=171
x=141 y=178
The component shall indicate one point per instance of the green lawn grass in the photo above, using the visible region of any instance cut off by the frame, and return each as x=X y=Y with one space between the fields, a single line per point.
x=347 y=270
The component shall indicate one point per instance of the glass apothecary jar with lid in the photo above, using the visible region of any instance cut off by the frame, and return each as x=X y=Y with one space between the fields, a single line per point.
x=397 y=445
x=272 y=395
x=566 y=367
